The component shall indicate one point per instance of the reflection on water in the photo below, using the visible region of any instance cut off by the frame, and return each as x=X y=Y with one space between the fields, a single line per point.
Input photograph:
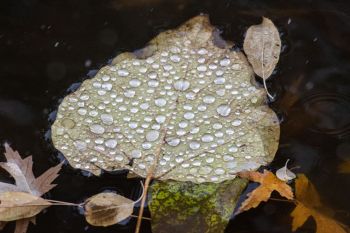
x=48 y=47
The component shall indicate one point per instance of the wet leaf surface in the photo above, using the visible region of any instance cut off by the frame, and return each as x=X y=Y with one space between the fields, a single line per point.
x=186 y=108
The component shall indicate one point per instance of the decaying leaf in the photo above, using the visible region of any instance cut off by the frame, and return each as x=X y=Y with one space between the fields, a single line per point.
x=344 y=167
x=262 y=45
x=198 y=208
x=268 y=183
x=309 y=204
x=19 y=205
x=285 y=174
x=186 y=106
x=21 y=170
x=25 y=182
x=105 y=209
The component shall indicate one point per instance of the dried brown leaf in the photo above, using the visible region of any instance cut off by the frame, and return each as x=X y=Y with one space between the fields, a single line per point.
x=308 y=204
x=269 y=183
x=21 y=170
x=27 y=186
x=262 y=46
x=105 y=209
x=19 y=205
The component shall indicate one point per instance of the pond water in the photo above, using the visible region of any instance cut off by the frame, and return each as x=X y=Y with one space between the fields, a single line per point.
x=48 y=47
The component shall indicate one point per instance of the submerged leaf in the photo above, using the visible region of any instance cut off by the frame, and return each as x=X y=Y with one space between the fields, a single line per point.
x=309 y=204
x=185 y=108
x=344 y=167
x=268 y=183
x=193 y=208
x=19 y=205
x=262 y=45
x=105 y=209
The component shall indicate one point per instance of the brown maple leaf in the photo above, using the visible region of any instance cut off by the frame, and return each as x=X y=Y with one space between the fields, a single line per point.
x=268 y=183
x=344 y=167
x=309 y=204
x=25 y=181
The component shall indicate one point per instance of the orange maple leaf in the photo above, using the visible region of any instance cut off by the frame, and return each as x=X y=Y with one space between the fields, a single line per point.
x=308 y=204
x=269 y=183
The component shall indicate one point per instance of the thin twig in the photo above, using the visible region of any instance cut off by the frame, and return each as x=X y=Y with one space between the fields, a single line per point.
x=284 y=200
x=150 y=175
x=136 y=216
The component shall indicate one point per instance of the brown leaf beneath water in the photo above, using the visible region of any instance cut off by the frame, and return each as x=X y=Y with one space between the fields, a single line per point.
x=262 y=45
x=344 y=167
x=308 y=204
x=105 y=209
x=19 y=205
x=269 y=183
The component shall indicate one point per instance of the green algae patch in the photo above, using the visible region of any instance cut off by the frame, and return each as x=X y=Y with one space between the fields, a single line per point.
x=193 y=208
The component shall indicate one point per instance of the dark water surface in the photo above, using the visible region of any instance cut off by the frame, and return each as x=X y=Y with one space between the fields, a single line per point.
x=46 y=46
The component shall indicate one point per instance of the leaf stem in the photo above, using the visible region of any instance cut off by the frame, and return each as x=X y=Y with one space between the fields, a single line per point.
x=143 y=201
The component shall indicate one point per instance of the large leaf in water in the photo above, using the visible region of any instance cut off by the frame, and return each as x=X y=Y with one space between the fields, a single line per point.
x=188 y=207
x=185 y=108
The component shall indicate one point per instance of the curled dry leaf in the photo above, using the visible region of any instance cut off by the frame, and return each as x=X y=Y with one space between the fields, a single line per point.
x=105 y=209
x=19 y=205
x=262 y=46
x=285 y=174
x=309 y=204
x=268 y=183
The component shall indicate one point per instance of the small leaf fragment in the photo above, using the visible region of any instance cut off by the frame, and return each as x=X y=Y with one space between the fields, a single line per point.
x=105 y=209
x=262 y=45
x=19 y=205
x=309 y=204
x=269 y=183
x=285 y=174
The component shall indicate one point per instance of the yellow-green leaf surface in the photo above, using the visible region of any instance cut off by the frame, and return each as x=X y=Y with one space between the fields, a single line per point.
x=186 y=95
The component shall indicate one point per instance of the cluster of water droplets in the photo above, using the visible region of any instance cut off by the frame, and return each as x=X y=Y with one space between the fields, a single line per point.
x=188 y=109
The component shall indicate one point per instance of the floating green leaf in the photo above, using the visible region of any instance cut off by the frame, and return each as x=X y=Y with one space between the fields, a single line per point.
x=184 y=108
